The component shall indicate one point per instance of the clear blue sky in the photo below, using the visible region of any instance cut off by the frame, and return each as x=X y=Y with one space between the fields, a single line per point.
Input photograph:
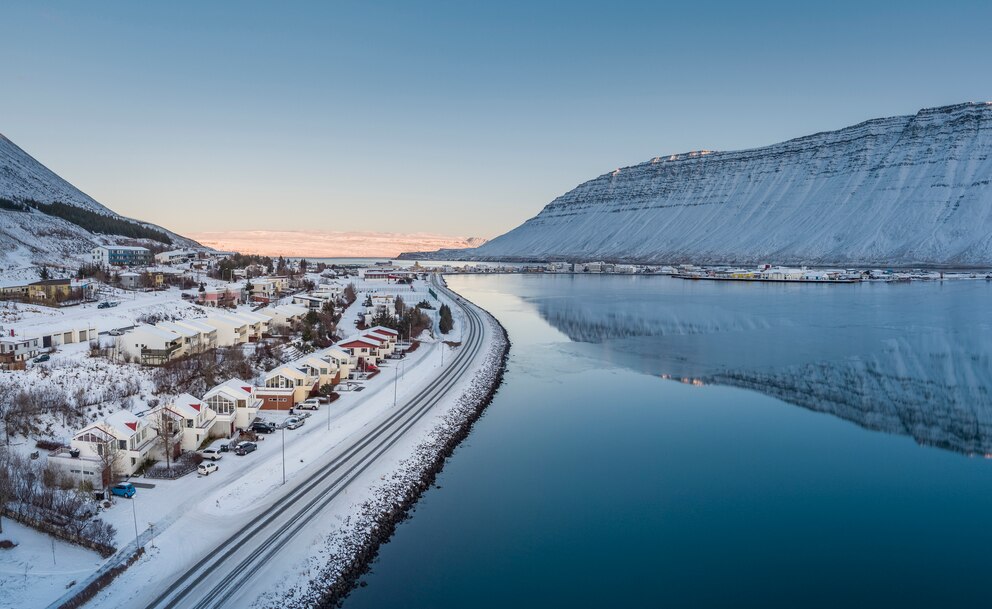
x=460 y=118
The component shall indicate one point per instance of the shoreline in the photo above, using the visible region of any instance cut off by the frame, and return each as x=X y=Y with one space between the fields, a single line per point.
x=374 y=522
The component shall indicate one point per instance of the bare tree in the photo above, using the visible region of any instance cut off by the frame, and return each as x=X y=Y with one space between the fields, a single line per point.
x=168 y=427
x=6 y=482
x=110 y=459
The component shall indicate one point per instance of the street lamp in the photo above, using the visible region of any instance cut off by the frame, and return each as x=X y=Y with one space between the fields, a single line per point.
x=284 y=452
x=134 y=513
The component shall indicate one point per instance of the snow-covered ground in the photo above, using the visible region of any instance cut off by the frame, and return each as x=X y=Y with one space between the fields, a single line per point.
x=194 y=515
x=30 y=319
x=191 y=515
x=40 y=567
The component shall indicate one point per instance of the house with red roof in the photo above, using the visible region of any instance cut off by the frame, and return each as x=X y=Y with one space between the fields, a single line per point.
x=106 y=450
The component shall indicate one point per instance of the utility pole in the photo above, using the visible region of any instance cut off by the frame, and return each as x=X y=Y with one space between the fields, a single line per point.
x=395 y=382
x=284 y=452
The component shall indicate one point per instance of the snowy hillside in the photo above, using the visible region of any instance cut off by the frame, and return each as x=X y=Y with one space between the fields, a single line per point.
x=30 y=237
x=902 y=191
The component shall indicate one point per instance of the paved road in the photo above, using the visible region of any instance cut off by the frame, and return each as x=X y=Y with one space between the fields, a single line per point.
x=232 y=563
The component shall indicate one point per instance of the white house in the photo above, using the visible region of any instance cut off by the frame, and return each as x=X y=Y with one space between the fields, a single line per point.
x=287 y=376
x=190 y=337
x=345 y=362
x=196 y=419
x=284 y=315
x=150 y=345
x=175 y=256
x=364 y=350
x=15 y=351
x=326 y=371
x=235 y=404
x=386 y=342
x=208 y=333
x=230 y=331
x=116 y=446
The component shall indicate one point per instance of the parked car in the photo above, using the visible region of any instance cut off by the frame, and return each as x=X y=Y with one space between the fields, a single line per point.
x=205 y=469
x=103 y=305
x=44 y=357
x=311 y=404
x=212 y=452
x=294 y=423
x=244 y=448
x=124 y=489
x=263 y=427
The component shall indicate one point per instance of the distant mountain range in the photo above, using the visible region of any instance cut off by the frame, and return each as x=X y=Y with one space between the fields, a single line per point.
x=906 y=190
x=45 y=220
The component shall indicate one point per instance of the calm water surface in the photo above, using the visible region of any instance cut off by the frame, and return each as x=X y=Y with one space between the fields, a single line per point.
x=694 y=444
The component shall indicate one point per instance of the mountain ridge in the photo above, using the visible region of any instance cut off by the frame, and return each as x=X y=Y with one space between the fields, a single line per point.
x=32 y=233
x=902 y=190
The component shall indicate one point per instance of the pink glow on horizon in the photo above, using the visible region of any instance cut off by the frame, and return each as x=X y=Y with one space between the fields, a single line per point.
x=329 y=244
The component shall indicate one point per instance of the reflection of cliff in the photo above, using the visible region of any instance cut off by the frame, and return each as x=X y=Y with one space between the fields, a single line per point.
x=925 y=380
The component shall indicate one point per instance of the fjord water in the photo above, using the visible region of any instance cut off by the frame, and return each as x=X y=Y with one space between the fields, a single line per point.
x=815 y=446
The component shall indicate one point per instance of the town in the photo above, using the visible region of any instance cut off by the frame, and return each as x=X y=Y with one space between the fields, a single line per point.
x=145 y=370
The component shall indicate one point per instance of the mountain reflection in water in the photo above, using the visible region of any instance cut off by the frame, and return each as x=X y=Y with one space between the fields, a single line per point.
x=911 y=359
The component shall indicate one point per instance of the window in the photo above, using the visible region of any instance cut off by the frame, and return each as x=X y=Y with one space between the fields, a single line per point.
x=122 y=444
x=221 y=405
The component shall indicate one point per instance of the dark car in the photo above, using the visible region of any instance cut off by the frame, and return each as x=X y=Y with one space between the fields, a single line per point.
x=245 y=447
x=262 y=427
x=42 y=358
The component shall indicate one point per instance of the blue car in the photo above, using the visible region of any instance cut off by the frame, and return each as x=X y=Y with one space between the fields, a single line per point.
x=125 y=489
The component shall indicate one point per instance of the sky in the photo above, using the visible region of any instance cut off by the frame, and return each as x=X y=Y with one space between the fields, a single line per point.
x=451 y=118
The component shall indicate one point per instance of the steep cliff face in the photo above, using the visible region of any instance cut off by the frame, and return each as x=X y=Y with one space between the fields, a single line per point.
x=30 y=237
x=905 y=190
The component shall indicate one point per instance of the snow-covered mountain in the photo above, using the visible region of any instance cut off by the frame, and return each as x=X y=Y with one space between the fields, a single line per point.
x=29 y=236
x=905 y=190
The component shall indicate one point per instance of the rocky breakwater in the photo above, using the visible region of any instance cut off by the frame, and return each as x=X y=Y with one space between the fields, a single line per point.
x=350 y=550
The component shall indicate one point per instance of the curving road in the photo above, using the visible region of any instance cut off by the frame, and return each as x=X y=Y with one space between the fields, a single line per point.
x=215 y=580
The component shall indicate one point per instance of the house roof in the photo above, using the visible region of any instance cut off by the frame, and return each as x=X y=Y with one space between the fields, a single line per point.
x=188 y=406
x=178 y=329
x=287 y=371
x=123 y=424
x=155 y=331
x=126 y=248
x=380 y=336
x=97 y=428
x=291 y=309
x=334 y=353
x=384 y=330
x=214 y=318
x=234 y=389
x=358 y=342
x=196 y=324
x=313 y=361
